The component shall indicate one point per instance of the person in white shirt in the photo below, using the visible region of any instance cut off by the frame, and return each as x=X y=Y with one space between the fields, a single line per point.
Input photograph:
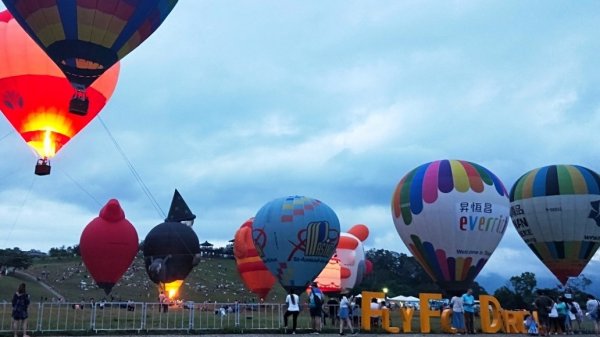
x=344 y=314
x=375 y=318
x=592 y=311
x=293 y=308
x=458 y=318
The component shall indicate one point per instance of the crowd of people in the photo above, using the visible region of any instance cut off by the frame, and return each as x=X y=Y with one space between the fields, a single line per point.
x=563 y=314
x=557 y=315
x=346 y=312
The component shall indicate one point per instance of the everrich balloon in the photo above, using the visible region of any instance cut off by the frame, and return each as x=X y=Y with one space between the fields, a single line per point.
x=34 y=93
x=250 y=266
x=555 y=209
x=295 y=237
x=451 y=214
x=108 y=245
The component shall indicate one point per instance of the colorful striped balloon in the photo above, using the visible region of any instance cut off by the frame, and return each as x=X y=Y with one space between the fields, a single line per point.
x=555 y=209
x=85 y=38
x=451 y=214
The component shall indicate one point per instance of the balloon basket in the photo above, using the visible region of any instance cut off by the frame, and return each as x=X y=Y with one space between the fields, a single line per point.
x=79 y=104
x=42 y=168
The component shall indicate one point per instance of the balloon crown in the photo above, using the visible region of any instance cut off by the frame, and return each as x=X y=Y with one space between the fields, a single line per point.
x=179 y=210
x=112 y=211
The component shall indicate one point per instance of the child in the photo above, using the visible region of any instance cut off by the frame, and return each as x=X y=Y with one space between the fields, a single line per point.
x=531 y=325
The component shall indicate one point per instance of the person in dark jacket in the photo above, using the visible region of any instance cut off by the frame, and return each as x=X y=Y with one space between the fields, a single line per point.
x=20 y=304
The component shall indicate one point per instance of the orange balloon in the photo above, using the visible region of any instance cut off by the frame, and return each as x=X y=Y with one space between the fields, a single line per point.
x=35 y=94
x=250 y=266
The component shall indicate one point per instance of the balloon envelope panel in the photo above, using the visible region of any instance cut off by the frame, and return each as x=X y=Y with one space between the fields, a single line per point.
x=451 y=214
x=85 y=38
x=555 y=211
x=295 y=237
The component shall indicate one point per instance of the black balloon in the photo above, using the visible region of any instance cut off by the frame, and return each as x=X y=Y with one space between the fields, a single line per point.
x=171 y=250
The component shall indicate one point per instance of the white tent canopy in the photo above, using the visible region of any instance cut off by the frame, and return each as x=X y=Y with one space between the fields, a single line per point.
x=401 y=298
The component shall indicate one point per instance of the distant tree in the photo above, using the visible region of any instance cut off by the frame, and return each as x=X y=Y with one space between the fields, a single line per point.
x=14 y=258
x=75 y=250
x=506 y=297
x=63 y=251
x=518 y=293
x=524 y=286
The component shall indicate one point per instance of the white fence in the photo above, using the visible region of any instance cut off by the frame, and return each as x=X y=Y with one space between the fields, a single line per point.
x=138 y=316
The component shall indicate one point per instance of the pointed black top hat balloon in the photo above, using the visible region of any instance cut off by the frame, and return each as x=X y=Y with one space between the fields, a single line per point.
x=179 y=210
x=172 y=249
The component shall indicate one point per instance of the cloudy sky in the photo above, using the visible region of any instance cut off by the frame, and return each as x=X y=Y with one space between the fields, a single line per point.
x=235 y=103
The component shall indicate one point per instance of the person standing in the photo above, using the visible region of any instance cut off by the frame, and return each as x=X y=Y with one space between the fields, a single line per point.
x=591 y=307
x=163 y=302
x=563 y=315
x=469 y=310
x=345 y=315
x=458 y=318
x=578 y=314
x=315 y=306
x=375 y=318
x=20 y=304
x=543 y=305
x=293 y=308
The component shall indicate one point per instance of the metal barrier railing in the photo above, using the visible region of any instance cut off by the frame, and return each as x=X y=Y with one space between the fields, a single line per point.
x=139 y=316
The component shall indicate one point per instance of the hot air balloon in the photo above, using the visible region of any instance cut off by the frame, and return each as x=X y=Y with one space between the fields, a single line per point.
x=251 y=268
x=451 y=214
x=108 y=245
x=34 y=94
x=555 y=209
x=295 y=237
x=86 y=38
x=171 y=249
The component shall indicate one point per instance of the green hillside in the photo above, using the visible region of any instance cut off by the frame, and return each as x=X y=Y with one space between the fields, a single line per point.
x=214 y=279
x=9 y=285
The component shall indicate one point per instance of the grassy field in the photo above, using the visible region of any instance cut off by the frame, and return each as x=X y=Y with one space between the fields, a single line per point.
x=214 y=279
x=9 y=285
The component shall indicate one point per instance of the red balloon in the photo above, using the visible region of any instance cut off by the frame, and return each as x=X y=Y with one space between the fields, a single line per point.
x=251 y=268
x=35 y=94
x=108 y=245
